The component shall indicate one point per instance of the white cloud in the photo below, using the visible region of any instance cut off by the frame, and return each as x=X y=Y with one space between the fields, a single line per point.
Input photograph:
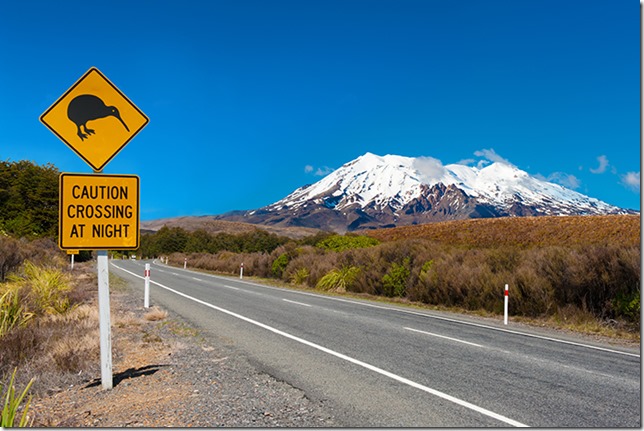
x=466 y=162
x=323 y=171
x=429 y=168
x=319 y=172
x=632 y=181
x=491 y=156
x=562 y=178
x=603 y=164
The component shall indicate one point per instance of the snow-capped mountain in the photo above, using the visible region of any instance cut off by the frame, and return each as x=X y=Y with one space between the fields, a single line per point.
x=383 y=191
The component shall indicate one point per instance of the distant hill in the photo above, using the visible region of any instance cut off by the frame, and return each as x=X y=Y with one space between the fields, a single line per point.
x=523 y=231
x=212 y=225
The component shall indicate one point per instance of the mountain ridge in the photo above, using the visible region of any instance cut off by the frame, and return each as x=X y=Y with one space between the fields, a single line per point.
x=373 y=192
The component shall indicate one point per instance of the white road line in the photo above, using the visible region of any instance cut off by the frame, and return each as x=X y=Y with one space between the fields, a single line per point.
x=443 y=336
x=295 y=302
x=198 y=279
x=231 y=287
x=342 y=356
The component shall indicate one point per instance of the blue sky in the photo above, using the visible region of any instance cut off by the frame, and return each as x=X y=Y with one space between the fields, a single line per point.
x=249 y=100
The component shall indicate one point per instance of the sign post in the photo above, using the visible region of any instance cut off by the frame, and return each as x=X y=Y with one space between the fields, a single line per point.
x=105 y=325
x=72 y=253
x=97 y=212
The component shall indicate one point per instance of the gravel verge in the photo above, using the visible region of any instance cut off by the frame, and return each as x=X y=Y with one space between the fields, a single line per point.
x=167 y=374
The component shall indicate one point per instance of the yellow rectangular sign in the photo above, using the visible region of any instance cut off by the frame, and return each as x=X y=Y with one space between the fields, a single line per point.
x=98 y=212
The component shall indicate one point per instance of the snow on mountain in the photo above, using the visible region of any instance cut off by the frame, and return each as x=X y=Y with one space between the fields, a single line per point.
x=385 y=191
x=394 y=181
x=370 y=178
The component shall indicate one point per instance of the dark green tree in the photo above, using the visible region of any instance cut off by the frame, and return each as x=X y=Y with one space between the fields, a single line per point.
x=29 y=199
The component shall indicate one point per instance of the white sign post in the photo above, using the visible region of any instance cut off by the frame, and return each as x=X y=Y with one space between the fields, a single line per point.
x=78 y=105
x=505 y=306
x=146 y=300
x=105 y=325
x=241 y=271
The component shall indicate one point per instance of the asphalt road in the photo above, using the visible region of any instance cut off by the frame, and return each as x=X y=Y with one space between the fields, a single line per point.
x=379 y=365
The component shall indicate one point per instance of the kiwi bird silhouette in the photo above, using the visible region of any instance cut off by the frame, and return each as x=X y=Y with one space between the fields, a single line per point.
x=87 y=107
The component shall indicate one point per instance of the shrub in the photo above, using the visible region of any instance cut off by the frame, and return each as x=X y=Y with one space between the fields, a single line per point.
x=346 y=242
x=602 y=279
x=10 y=256
x=279 y=265
x=394 y=282
x=299 y=276
x=339 y=279
x=316 y=261
x=628 y=306
x=48 y=288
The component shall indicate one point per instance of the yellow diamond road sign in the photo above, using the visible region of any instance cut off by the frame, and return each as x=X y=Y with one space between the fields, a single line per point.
x=95 y=119
x=98 y=212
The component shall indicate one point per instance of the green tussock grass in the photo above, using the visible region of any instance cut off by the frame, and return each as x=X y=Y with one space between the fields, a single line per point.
x=12 y=404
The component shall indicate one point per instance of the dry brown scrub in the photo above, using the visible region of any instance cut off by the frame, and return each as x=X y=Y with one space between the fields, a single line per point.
x=524 y=231
x=558 y=268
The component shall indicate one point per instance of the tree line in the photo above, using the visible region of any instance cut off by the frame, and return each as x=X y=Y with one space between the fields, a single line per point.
x=175 y=239
x=28 y=200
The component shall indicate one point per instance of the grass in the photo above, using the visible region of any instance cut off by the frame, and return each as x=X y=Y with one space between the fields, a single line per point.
x=46 y=329
x=339 y=279
x=155 y=314
x=35 y=291
x=12 y=313
x=117 y=284
x=12 y=405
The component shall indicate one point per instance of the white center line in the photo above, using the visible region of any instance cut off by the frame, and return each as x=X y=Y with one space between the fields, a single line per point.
x=344 y=357
x=198 y=279
x=295 y=302
x=231 y=287
x=442 y=336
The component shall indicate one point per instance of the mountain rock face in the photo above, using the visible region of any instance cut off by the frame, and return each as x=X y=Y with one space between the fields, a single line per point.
x=386 y=191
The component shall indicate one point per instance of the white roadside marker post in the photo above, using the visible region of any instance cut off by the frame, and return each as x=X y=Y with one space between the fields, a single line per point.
x=185 y=262
x=146 y=300
x=241 y=271
x=105 y=325
x=505 y=305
